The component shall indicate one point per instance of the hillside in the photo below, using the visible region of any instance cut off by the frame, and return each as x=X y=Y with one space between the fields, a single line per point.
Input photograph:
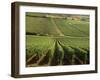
x=55 y=26
x=56 y=39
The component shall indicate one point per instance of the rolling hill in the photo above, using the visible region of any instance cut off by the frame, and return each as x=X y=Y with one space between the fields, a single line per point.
x=56 y=39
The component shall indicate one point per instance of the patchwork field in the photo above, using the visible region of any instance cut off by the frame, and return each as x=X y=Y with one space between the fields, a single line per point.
x=55 y=39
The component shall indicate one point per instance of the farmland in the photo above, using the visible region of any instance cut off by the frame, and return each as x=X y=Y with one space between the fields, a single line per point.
x=53 y=39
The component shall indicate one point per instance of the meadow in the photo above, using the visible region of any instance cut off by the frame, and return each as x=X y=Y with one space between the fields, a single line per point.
x=56 y=39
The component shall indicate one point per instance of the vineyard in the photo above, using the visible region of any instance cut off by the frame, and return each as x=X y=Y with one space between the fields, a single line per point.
x=53 y=40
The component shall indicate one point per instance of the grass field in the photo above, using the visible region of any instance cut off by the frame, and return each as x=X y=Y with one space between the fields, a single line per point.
x=53 y=39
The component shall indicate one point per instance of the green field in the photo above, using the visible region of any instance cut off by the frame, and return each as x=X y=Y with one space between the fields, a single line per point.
x=56 y=39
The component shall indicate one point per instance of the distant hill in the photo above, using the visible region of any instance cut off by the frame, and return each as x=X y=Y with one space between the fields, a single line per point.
x=57 y=24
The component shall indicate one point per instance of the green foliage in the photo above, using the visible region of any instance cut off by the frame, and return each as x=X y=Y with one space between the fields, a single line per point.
x=56 y=41
x=41 y=26
x=73 y=28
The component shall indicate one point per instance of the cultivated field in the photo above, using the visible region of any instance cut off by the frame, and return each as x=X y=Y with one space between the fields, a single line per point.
x=56 y=39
